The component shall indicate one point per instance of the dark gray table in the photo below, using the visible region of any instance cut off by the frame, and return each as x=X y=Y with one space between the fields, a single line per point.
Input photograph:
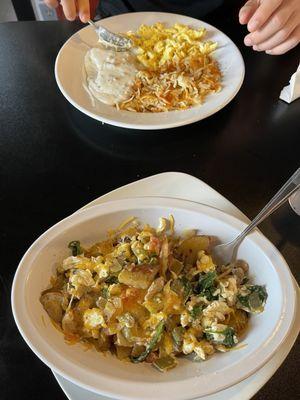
x=53 y=160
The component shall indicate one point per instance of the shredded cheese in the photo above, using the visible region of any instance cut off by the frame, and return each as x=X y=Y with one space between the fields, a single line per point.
x=178 y=70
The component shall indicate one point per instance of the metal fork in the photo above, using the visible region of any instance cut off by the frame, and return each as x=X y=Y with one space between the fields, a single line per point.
x=118 y=42
x=227 y=252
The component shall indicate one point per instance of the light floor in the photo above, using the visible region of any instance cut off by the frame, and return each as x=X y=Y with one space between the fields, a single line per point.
x=7 y=12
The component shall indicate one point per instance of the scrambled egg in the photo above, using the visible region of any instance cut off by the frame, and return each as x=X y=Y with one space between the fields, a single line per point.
x=178 y=70
x=146 y=294
x=158 y=46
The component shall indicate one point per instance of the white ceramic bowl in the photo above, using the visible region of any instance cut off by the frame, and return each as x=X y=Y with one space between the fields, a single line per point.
x=109 y=376
x=69 y=73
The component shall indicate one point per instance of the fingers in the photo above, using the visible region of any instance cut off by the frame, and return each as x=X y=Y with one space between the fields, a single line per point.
x=276 y=22
x=83 y=7
x=51 y=3
x=278 y=37
x=274 y=26
x=292 y=41
x=247 y=11
x=263 y=13
x=72 y=7
x=69 y=9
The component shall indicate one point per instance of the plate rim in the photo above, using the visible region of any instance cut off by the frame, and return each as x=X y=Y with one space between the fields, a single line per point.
x=289 y=291
x=137 y=126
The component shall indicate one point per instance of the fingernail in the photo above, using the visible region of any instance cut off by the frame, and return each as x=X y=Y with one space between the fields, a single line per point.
x=70 y=17
x=269 y=51
x=242 y=17
x=248 y=41
x=84 y=17
x=253 y=24
x=255 y=47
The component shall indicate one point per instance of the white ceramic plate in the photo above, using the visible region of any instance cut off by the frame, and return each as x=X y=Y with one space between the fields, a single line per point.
x=105 y=374
x=69 y=74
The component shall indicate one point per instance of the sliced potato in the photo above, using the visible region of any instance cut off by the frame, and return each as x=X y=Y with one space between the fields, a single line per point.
x=123 y=352
x=70 y=322
x=155 y=304
x=52 y=303
x=166 y=345
x=156 y=287
x=176 y=266
x=104 y=341
x=188 y=250
x=139 y=312
x=165 y=363
x=137 y=350
x=238 y=320
x=138 y=276
x=122 y=341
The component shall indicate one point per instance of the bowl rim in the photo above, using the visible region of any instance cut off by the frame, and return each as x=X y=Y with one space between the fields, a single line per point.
x=144 y=390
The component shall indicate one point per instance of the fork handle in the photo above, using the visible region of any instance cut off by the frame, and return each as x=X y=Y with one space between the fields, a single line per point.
x=92 y=23
x=291 y=185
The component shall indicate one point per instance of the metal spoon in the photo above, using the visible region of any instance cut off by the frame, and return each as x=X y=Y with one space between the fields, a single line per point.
x=108 y=38
x=226 y=253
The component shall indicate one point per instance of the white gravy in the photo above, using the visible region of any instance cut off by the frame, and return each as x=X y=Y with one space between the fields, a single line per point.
x=109 y=75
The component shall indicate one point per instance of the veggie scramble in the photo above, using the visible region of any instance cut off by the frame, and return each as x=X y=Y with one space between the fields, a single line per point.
x=146 y=294
x=175 y=70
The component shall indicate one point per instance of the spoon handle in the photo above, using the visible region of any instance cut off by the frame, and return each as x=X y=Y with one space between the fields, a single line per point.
x=291 y=185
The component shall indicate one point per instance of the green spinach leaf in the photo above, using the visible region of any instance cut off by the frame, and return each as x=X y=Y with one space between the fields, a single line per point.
x=196 y=311
x=254 y=301
x=206 y=285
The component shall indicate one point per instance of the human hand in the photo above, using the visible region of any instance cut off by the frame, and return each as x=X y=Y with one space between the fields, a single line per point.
x=274 y=25
x=71 y=8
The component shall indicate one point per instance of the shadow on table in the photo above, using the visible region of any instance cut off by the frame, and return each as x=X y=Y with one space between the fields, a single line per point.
x=147 y=145
x=287 y=223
